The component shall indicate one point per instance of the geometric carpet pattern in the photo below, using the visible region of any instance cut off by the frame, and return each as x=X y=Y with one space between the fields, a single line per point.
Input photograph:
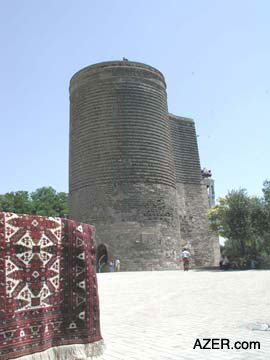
x=48 y=285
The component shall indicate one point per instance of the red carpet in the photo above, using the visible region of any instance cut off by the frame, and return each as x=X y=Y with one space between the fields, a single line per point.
x=49 y=307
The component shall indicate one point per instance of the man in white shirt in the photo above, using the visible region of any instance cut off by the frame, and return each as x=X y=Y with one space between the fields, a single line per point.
x=185 y=257
x=117 y=265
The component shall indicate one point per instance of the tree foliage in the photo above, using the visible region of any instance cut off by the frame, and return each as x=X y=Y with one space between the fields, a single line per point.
x=245 y=222
x=266 y=193
x=44 y=201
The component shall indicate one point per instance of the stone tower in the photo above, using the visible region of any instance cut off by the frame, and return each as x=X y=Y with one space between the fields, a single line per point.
x=192 y=193
x=126 y=176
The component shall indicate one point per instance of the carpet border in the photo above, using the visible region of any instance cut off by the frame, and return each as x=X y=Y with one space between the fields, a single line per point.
x=70 y=352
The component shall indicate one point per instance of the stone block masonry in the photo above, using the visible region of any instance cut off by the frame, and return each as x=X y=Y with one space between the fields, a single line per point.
x=192 y=194
x=131 y=164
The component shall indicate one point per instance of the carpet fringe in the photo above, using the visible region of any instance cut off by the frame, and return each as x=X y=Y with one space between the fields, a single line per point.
x=69 y=352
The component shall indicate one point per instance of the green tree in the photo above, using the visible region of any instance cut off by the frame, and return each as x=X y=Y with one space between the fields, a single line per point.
x=232 y=219
x=266 y=192
x=245 y=222
x=44 y=201
x=18 y=202
x=62 y=204
x=265 y=226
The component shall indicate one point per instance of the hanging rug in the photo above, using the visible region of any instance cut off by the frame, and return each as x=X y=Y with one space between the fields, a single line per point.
x=49 y=306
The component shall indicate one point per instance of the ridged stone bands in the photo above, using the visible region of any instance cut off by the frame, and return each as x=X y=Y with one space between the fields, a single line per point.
x=119 y=129
x=185 y=150
x=134 y=168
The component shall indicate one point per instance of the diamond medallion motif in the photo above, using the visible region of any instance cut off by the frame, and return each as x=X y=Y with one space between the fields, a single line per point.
x=33 y=258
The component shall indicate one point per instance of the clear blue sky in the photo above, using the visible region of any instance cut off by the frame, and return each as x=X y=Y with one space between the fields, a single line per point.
x=215 y=56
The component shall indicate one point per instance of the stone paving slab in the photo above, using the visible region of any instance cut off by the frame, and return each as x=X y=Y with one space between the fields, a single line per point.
x=159 y=315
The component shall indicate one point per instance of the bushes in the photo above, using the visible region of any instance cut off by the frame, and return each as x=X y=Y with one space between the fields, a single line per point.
x=44 y=201
x=245 y=222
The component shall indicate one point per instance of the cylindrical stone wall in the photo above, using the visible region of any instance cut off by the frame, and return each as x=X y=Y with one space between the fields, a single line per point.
x=122 y=173
x=185 y=149
x=192 y=197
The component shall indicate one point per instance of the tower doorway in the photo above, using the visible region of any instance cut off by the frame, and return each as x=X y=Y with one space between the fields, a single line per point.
x=102 y=258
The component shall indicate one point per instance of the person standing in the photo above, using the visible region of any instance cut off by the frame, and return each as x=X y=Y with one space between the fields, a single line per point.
x=117 y=265
x=111 y=264
x=185 y=257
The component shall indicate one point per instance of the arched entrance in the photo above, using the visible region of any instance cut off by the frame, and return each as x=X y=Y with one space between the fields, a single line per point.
x=102 y=258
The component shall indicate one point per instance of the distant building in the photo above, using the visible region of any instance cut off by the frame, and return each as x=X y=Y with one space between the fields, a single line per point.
x=210 y=185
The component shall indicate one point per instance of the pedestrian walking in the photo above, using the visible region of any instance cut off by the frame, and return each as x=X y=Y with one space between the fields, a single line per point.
x=185 y=255
x=117 y=265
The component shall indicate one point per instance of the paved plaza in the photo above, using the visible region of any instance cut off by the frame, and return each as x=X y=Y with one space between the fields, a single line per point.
x=160 y=315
